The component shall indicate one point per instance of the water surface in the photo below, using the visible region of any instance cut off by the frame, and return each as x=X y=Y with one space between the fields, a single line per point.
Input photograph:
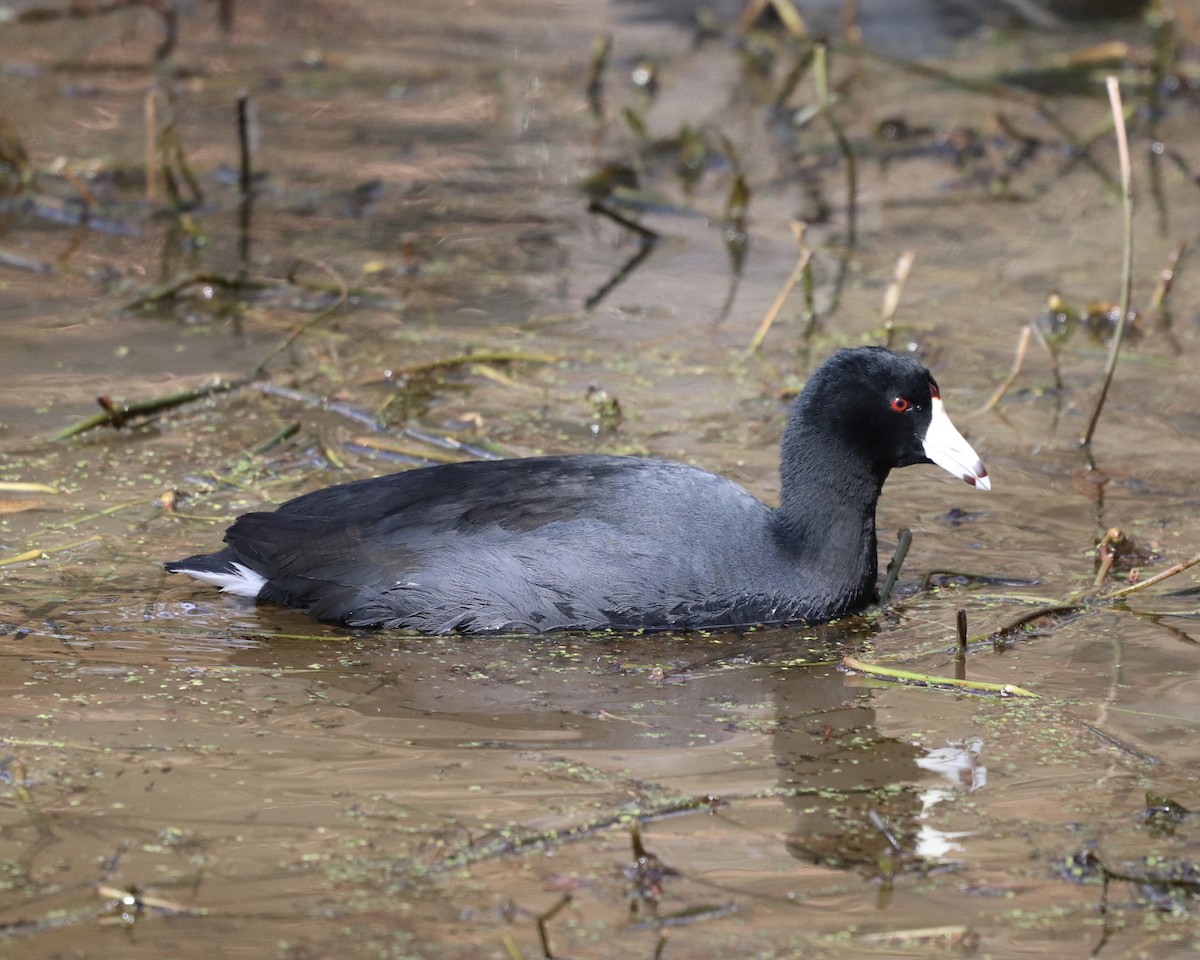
x=274 y=787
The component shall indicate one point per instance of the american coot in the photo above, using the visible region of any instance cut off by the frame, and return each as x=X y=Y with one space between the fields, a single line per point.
x=595 y=542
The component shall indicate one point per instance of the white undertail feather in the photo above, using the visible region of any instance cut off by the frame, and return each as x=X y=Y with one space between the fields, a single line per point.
x=240 y=581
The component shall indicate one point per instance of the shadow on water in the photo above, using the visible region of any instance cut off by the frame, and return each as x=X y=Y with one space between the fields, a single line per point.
x=389 y=259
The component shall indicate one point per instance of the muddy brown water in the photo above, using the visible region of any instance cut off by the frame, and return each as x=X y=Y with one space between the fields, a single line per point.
x=271 y=787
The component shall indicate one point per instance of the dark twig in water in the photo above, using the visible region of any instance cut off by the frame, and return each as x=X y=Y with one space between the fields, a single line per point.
x=1073 y=606
x=1114 y=741
x=893 y=570
x=681 y=918
x=960 y=654
x=1053 y=610
x=795 y=75
x=1078 y=604
x=647 y=240
x=1114 y=97
x=1161 y=880
x=174 y=287
x=601 y=50
x=546 y=918
x=520 y=840
x=245 y=181
x=646 y=875
x=284 y=433
x=113 y=414
x=1158 y=578
x=173 y=158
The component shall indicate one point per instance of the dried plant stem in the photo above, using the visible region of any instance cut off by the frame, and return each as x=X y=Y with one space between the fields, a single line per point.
x=152 y=146
x=1018 y=361
x=1167 y=278
x=769 y=319
x=18 y=486
x=788 y=15
x=943 y=937
x=38 y=552
x=891 y=298
x=1114 y=99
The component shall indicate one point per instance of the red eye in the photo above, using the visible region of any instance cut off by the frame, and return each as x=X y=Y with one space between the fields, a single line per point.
x=900 y=404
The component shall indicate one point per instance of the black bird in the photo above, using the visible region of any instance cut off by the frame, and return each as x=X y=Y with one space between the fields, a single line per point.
x=601 y=542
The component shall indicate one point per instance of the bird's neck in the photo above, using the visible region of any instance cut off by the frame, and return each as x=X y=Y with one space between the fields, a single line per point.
x=826 y=514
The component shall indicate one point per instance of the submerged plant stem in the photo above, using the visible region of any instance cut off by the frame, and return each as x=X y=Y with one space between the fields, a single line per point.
x=343 y=293
x=932 y=680
x=893 y=570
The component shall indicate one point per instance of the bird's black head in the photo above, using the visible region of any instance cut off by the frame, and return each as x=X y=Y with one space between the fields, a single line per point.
x=869 y=408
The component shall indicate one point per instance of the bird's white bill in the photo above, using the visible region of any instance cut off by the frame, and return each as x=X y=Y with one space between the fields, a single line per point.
x=945 y=446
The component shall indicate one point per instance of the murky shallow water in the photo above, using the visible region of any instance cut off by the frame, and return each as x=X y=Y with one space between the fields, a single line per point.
x=273 y=787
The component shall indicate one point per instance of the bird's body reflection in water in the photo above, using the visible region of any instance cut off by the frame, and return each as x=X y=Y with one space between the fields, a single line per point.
x=689 y=713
